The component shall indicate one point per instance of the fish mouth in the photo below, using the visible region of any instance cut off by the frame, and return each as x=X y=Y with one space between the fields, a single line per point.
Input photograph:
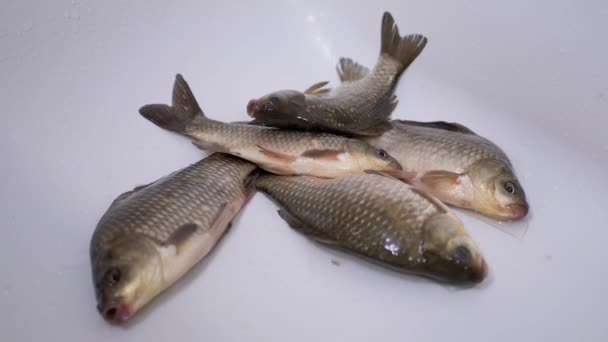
x=517 y=210
x=115 y=311
x=394 y=166
x=252 y=107
x=479 y=274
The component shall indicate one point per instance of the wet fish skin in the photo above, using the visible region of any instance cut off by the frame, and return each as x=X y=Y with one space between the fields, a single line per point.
x=382 y=219
x=456 y=165
x=275 y=150
x=151 y=236
x=362 y=103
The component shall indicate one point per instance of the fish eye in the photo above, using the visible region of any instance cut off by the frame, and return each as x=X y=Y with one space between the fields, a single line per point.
x=382 y=153
x=462 y=255
x=510 y=187
x=112 y=276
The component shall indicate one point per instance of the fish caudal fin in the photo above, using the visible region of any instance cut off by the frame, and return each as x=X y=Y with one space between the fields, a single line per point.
x=182 y=112
x=349 y=70
x=403 y=49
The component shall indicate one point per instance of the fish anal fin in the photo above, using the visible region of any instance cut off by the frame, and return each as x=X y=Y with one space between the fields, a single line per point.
x=349 y=70
x=306 y=229
x=317 y=88
x=322 y=154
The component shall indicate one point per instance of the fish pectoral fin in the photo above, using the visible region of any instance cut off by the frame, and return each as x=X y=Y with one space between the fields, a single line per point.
x=181 y=236
x=398 y=175
x=349 y=70
x=322 y=154
x=440 y=181
x=378 y=129
x=249 y=184
x=305 y=229
x=446 y=126
x=210 y=147
x=276 y=155
x=317 y=89
x=434 y=200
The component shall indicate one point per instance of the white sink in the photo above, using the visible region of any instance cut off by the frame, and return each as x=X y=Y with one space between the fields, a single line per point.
x=531 y=76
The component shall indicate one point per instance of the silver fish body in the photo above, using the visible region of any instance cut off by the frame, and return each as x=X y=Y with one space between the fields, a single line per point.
x=361 y=104
x=151 y=236
x=279 y=151
x=456 y=165
x=382 y=219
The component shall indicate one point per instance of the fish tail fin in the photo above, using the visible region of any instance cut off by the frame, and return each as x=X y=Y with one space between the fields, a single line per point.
x=402 y=49
x=180 y=114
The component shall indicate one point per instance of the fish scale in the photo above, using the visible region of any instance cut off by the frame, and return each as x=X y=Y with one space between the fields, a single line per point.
x=375 y=216
x=360 y=105
x=151 y=236
x=434 y=149
x=160 y=208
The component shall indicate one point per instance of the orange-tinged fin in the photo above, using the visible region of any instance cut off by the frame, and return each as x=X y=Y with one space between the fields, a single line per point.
x=307 y=230
x=402 y=49
x=400 y=175
x=349 y=70
x=440 y=181
x=180 y=114
x=317 y=89
x=436 y=202
x=276 y=155
x=322 y=154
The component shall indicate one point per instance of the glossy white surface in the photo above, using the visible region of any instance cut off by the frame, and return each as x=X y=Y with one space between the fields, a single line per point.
x=532 y=76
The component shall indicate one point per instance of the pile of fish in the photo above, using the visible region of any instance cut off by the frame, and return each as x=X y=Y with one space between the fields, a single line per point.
x=342 y=172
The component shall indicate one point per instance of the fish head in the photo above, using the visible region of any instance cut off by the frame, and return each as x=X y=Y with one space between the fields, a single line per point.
x=280 y=104
x=371 y=158
x=126 y=276
x=498 y=193
x=449 y=253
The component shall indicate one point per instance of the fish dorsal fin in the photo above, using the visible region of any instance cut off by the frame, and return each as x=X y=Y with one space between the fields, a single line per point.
x=306 y=229
x=349 y=70
x=317 y=89
x=447 y=126
x=128 y=194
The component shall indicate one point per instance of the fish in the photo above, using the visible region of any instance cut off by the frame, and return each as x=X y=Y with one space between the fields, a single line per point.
x=456 y=165
x=360 y=105
x=285 y=152
x=151 y=236
x=381 y=219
